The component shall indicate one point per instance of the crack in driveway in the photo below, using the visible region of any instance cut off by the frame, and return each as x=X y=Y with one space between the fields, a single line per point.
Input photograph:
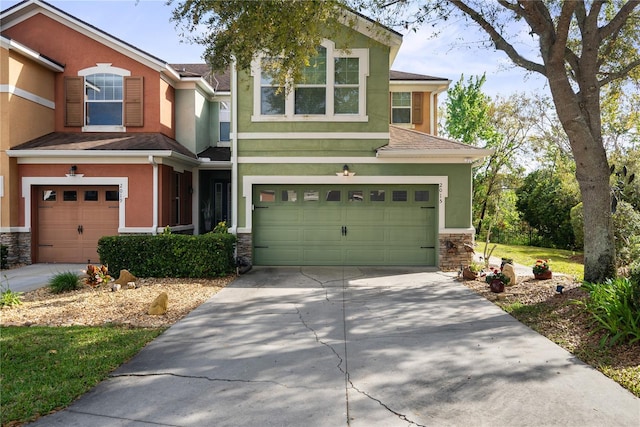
x=345 y=371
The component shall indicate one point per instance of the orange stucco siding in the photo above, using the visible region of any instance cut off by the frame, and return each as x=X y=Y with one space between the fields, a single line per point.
x=138 y=204
x=64 y=44
x=27 y=84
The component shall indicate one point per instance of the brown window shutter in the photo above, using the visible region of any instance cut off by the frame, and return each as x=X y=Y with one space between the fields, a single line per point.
x=73 y=101
x=133 y=101
x=416 y=108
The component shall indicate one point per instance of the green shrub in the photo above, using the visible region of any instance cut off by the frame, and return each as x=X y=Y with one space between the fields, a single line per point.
x=170 y=255
x=64 y=282
x=615 y=310
x=9 y=298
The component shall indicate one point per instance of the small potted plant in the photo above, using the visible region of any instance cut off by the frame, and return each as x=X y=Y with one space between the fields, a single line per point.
x=542 y=269
x=497 y=280
x=471 y=271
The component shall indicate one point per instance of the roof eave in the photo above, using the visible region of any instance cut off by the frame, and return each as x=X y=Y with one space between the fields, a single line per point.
x=35 y=153
x=30 y=53
x=467 y=156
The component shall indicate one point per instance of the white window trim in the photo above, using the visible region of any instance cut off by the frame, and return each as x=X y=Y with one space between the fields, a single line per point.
x=332 y=53
x=410 y=107
x=107 y=68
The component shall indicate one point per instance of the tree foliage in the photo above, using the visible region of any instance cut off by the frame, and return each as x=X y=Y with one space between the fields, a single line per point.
x=545 y=201
x=582 y=46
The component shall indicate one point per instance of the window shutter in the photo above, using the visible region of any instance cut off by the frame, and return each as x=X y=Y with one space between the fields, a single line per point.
x=73 y=101
x=416 y=108
x=133 y=90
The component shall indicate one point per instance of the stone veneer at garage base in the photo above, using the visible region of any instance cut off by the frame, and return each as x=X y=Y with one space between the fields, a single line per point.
x=451 y=258
x=19 y=245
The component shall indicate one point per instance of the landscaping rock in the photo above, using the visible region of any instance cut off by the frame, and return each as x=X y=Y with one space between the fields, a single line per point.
x=125 y=277
x=159 y=305
x=508 y=271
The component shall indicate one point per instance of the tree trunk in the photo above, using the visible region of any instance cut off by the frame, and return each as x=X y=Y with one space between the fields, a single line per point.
x=579 y=114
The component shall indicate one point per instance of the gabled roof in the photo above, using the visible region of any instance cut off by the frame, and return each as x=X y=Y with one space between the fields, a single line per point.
x=410 y=143
x=403 y=76
x=83 y=144
x=24 y=10
x=220 y=82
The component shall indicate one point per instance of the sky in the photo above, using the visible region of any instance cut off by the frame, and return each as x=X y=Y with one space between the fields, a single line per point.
x=146 y=25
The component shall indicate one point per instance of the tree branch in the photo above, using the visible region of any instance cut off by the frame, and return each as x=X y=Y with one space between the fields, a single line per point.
x=499 y=41
x=621 y=73
x=619 y=20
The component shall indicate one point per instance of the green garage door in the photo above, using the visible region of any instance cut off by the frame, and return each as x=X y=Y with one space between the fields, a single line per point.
x=344 y=225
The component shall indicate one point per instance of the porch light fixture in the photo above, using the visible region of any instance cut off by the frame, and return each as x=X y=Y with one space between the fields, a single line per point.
x=72 y=170
x=345 y=171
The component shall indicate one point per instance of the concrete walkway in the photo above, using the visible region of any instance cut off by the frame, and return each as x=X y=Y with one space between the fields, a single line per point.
x=34 y=276
x=351 y=347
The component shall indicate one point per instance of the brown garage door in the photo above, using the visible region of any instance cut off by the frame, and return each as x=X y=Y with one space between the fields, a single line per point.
x=72 y=219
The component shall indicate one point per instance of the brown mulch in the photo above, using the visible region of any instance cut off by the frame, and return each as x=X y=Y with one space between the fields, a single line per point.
x=101 y=305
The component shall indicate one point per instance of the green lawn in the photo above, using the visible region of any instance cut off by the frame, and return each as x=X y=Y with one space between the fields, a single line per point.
x=562 y=261
x=46 y=368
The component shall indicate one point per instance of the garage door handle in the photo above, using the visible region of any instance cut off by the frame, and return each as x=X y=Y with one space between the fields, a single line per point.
x=344 y=230
x=80 y=229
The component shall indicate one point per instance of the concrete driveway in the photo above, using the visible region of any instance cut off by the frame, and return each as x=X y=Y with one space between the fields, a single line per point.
x=351 y=347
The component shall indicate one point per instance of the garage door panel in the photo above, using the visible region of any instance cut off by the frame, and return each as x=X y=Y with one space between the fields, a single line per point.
x=71 y=220
x=280 y=235
x=388 y=225
x=279 y=216
x=311 y=215
x=363 y=215
x=322 y=235
x=322 y=255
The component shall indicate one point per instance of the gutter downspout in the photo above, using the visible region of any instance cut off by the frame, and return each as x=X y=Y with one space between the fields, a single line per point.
x=234 y=148
x=154 y=226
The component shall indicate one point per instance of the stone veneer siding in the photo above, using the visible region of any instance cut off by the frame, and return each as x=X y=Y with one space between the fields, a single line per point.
x=452 y=251
x=244 y=246
x=19 y=245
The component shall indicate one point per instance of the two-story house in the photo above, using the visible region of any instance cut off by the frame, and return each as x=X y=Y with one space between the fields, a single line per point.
x=102 y=138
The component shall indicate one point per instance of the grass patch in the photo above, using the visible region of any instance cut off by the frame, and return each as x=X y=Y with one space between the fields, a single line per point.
x=46 y=368
x=562 y=261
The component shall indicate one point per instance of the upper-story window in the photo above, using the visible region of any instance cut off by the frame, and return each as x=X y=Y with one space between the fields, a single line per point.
x=103 y=99
x=224 y=117
x=401 y=107
x=332 y=88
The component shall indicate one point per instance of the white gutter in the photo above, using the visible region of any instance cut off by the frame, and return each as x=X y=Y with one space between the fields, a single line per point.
x=101 y=153
x=154 y=226
x=234 y=148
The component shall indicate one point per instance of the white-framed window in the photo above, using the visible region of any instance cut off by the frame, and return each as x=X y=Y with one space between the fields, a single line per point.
x=224 y=118
x=333 y=88
x=401 y=107
x=103 y=98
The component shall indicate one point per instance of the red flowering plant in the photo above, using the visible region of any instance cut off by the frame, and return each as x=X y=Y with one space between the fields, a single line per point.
x=96 y=275
x=497 y=274
x=541 y=267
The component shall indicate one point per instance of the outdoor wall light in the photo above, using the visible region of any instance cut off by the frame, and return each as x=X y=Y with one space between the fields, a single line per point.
x=72 y=170
x=345 y=171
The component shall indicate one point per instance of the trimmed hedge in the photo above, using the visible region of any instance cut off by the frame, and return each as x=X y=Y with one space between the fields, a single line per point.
x=170 y=255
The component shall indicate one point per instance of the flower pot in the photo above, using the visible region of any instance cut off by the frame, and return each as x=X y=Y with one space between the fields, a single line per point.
x=544 y=275
x=496 y=286
x=468 y=274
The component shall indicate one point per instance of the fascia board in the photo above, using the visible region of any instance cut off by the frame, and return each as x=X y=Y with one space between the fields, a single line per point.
x=434 y=86
x=45 y=155
x=459 y=154
x=31 y=54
